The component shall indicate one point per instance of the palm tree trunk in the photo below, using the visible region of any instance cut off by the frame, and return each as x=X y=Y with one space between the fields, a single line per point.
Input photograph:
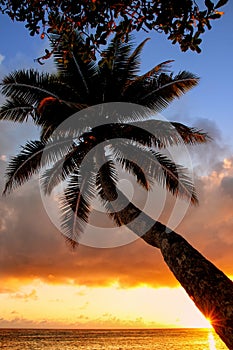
x=209 y=288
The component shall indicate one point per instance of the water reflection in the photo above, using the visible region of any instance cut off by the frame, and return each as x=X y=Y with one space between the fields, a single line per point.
x=211 y=341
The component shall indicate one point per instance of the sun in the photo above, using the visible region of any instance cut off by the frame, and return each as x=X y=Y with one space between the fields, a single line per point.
x=208 y=323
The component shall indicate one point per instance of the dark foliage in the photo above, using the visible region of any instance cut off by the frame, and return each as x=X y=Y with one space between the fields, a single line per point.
x=183 y=21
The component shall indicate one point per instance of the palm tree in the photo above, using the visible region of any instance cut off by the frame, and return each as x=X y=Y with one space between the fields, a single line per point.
x=51 y=99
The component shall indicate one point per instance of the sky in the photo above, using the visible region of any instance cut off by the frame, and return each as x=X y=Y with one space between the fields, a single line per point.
x=44 y=284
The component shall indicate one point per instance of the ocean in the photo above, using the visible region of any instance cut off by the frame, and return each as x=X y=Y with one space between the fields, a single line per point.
x=140 y=339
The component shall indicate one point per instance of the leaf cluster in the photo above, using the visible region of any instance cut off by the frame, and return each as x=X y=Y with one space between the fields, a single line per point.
x=181 y=20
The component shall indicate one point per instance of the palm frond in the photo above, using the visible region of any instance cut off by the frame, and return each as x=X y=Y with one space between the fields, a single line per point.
x=115 y=56
x=191 y=135
x=32 y=86
x=75 y=205
x=106 y=180
x=114 y=70
x=158 y=167
x=106 y=185
x=64 y=167
x=151 y=74
x=133 y=62
x=160 y=92
x=53 y=176
x=27 y=84
x=62 y=60
x=151 y=133
x=175 y=177
x=129 y=155
x=166 y=134
x=16 y=110
x=133 y=168
x=132 y=131
x=33 y=156
x=71 y=66
x=156 y=71
x=70 y=162
x=24 y=165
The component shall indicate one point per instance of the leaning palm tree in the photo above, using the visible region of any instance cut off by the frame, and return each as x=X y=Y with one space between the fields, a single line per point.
x=51 y=99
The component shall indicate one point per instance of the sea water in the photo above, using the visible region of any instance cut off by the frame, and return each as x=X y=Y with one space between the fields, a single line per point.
x=140 y=339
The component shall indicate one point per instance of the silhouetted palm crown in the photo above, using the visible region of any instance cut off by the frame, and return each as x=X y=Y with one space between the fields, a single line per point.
x=49 y=99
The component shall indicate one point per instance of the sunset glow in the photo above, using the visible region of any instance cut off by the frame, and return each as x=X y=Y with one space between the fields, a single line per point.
x=42 y=305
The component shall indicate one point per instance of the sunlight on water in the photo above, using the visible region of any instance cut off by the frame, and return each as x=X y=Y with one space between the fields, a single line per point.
x=127 y=339
x=211 y=341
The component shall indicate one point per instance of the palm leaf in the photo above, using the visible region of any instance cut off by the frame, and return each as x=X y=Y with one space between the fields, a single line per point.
x=106 y=180
x=158 y=167
x=128 y=154
x=16 y=110
x=34 y=155
x=133 y=64
x=161 y=133
x=155 y=71
x=160 y=92
x=191 y=135
x=133 y=168
x=115 y=57
x=72 y=160
x=72 y=67
x=150 y=133
x=52 y=112
x=64 y=167
x=113 y=70
x=175 y=177
x=126 y=131
x=24 y=165
x=32 y=86
x=151 y=74
x=75 y=205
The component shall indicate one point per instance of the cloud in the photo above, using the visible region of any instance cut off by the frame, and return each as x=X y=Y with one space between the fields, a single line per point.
x=210 y=225
x=227 y=185
x=207 y=157
x=31 y=247
x=107 y=321
x=25 y=296
x=5 y=290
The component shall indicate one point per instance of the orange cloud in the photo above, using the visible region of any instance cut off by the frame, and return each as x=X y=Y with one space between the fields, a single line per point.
x=25 y=296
